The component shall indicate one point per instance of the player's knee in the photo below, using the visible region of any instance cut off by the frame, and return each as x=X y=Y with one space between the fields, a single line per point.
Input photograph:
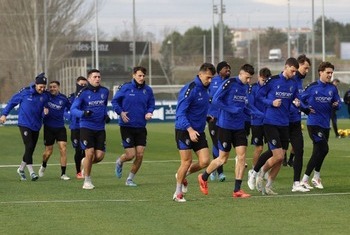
x=204 y=161
x=139 y=156
x=222 y=160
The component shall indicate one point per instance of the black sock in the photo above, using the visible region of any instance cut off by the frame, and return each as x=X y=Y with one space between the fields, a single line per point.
x=44 y=164
x=205 y=176
x=63 y=170
x=237 y=185
x=220 y=170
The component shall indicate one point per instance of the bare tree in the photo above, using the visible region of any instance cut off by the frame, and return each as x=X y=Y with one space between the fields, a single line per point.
x=127 y=34
x=34 y=35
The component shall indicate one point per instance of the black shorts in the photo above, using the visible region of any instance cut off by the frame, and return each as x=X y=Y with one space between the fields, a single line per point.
x=258 y=136
x=132 y=137
x=247 y=125
x=29 y=137
x=183 y=141
x=213 y=131
x=277 y=136
x=93 y=139
x=52 y=134
x=318 y=133
x=75 y=137
x=227 y=137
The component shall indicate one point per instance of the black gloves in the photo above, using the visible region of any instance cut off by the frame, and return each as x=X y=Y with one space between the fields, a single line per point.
x=107 y=119
x=305 y=110
x=88 y=113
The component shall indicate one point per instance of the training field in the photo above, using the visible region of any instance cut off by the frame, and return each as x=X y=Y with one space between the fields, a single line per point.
x=53 y=206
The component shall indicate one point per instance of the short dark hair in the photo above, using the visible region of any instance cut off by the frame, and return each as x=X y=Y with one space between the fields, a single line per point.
x=207 y=66
x=92 y=71
x=302 y=59
x=80 y=78
x=265 y=72
x=247 y=68
x=139 y=68
x=325 y=64
x=57 y=83
x=291 y=61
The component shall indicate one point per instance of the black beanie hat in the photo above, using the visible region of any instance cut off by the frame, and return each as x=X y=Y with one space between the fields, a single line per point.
x=41 y=79
x=221 y=65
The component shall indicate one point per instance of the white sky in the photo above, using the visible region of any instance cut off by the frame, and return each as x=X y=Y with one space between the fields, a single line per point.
x=157 y=16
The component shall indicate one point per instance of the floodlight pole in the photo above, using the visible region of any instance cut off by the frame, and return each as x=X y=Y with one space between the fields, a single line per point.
x=45 y=39
x=313 y=40
x=289 y=28
x=96 y=36
x=212 y=36
x=221 y=32
x=133 y=35
x=323 y=35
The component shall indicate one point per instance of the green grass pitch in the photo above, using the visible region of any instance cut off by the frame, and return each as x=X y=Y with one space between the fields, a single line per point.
x=53 y=206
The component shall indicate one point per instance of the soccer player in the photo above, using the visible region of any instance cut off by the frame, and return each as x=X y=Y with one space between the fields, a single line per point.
x=334 y=118
x=32 y=101
x=134 y=102
x=278 y=94
x=90 y=105
x=295 y=133
x=257 y=126
x=191 y=114
x=74 y=127
x=321 y=97
x=54 y=129
x=231 y=99
x=223 y=70
x=347 y=100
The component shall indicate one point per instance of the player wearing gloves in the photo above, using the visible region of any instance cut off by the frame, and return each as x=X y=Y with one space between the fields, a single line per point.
x=90 y=106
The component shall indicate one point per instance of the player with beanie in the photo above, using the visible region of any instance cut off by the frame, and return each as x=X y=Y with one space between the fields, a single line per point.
x=32 y=101
x=223 y=72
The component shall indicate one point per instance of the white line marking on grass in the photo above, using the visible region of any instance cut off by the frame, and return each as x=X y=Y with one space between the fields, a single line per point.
x=303 y=195
x=71 y=201
x=144 y=161
x=103 y=163
x=193 y=199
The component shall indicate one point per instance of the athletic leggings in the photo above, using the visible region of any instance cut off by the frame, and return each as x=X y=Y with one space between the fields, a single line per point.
x=30 y=138
x=319 y=137
x=297 y=141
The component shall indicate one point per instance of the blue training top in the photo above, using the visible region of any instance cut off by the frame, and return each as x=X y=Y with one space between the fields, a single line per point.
x=231 y=99
x=295 y=114
x=192 y=106
x=278 y=87
x=94 y=99
x=137 y=100
x=320 y=96
x=31 y=107
x=216 y=81
x=57 y=106
x=257 y=117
